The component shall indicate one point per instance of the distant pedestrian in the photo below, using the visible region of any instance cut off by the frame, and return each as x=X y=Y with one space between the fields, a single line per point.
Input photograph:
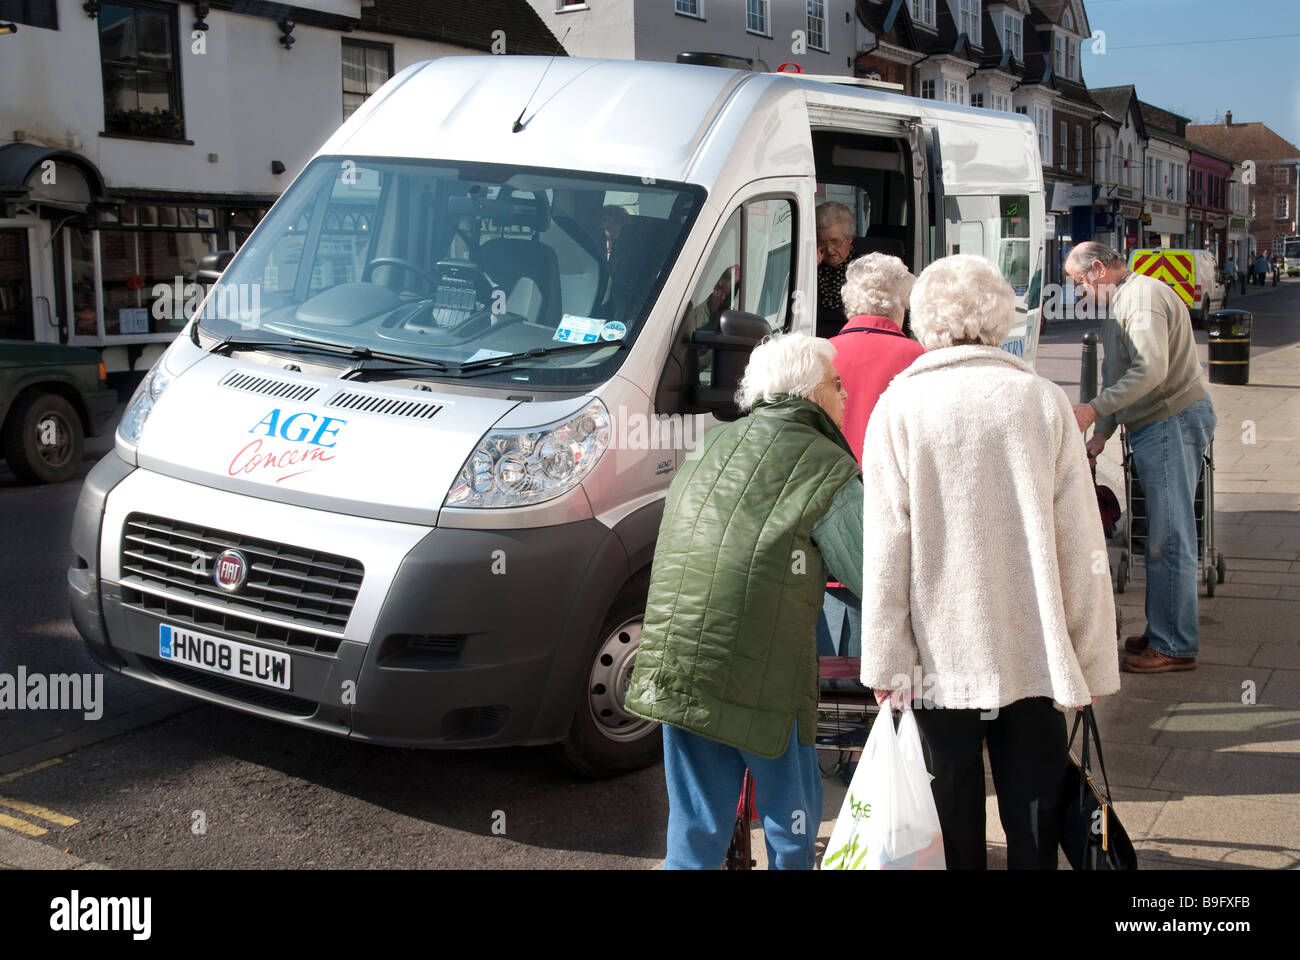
x=1261 y=269
x=1153 y=385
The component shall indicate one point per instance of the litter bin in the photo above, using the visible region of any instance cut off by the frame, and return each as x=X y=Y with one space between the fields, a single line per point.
x=1229 y=340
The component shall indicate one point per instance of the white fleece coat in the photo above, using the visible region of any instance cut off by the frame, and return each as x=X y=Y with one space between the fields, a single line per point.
x=984 y=560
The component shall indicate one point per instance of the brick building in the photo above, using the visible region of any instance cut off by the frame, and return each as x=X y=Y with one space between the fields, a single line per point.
x=1275 y=190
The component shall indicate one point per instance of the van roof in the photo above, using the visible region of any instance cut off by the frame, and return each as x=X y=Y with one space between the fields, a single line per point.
x=652 y=120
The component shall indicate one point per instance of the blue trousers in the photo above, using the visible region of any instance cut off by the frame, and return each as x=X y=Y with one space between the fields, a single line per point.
x=704 y=779
x=839 y=628
x=1168 y=455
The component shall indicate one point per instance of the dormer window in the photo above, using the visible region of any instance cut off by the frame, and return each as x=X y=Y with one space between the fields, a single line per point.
x=923 y=13
x=1065 y=63
x=1067 y=21
x=1013 y=34
x=970 y=20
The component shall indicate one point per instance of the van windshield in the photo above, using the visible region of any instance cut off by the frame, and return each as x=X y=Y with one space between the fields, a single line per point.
x=458 y=263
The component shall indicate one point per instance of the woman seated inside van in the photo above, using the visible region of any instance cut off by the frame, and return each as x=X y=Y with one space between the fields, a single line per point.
x=836 y=229
x=727 y=659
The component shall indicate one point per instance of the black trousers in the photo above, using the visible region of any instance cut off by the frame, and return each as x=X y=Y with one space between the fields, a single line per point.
x=1027 y=751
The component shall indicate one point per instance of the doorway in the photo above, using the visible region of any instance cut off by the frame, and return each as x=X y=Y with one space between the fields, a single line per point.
x=16 y=321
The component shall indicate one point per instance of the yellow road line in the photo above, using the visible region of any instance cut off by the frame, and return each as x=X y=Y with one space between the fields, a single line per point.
x=32 y=769
x=22 y=826
x=35 y=811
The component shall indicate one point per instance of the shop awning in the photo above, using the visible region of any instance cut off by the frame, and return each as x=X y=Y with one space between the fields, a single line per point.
x=30 y=173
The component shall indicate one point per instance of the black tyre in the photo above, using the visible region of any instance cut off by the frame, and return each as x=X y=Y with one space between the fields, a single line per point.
x=1202 y=316
x=1220 y=567
x=43 y=439
x=604 y=740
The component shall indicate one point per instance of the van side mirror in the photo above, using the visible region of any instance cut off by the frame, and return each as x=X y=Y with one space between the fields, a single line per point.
x=210 y=266
x=738 y=335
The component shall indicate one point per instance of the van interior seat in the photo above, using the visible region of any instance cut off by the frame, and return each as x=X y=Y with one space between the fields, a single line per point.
x=529 y=273
x=889 y=245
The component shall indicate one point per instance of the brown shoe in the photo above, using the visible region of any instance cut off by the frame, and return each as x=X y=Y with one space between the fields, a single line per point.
x=1151 y=661
x=1135 y=644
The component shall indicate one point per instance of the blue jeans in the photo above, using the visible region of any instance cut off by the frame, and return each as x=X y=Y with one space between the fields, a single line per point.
x=1168 y=455
x=839 y=627
x=704 y=779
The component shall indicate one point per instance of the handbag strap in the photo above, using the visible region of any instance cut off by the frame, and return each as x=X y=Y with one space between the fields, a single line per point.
x=1091 y=720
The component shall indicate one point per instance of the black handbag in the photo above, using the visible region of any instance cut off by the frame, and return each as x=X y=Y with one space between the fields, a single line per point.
x=1091 y=834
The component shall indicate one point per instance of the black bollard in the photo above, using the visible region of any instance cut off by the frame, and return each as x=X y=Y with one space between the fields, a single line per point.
x=1088 y=368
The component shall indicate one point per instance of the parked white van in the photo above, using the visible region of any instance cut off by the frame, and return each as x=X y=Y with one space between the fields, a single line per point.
x=401 y=479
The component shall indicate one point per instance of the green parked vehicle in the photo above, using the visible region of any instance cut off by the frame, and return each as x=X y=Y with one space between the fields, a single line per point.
x=51 y=398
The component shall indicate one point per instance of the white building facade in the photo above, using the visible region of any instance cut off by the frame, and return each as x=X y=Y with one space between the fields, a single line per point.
x=137 y=136
x=821 y=36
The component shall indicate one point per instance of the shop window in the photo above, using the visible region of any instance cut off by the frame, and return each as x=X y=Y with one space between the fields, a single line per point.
x=137 y=46
x=133 y=263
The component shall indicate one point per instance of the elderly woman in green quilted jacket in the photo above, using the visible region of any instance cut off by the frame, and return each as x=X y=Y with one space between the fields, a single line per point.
x=728 y=655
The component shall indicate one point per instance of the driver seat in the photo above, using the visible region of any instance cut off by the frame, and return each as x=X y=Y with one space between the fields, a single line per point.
x=529 y=274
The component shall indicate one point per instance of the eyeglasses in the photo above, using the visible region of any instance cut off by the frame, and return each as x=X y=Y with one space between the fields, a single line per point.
x=834 y=244
x=838 y=381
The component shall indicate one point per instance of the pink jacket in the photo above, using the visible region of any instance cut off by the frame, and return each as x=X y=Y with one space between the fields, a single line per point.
x=869 y=352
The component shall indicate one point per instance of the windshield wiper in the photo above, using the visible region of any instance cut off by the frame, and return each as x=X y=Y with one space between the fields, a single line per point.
x=510 y=358
x=399 y=366
x=293 y=343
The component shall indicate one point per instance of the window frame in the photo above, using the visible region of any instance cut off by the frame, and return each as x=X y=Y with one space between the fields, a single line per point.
x=699 y=9
x=1078 y=148
x=924 y=95
x=1013 y=34
x=1285 y=201
x=918 y=11
x=349 y=42
x=1281 y=175
x=766 y=7
x=175 y=86
x=824 y=46
x=971 y=9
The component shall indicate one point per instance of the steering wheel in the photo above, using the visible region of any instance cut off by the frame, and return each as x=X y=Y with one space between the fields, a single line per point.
x=396 y=262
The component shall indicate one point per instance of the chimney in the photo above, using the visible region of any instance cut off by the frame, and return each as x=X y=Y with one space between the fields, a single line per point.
x=1227 y=119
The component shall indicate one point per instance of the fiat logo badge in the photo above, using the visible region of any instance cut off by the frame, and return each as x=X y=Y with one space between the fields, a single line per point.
x=232 y=570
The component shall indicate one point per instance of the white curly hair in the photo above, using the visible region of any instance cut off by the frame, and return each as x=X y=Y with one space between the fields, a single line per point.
x=962 y=297
x=877 y=284
x=784 y=363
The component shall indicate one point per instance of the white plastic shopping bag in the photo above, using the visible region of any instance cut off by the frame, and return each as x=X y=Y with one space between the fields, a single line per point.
x=888 y=820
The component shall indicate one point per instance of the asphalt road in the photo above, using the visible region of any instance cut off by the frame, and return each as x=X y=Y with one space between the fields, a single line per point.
x=133 y=788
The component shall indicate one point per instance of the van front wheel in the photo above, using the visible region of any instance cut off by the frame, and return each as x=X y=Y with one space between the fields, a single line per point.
x=604 y=739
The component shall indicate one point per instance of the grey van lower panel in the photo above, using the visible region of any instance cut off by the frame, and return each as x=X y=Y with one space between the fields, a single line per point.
x=484 y=639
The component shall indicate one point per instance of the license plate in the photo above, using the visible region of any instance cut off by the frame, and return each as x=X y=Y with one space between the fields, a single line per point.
x=227 y=657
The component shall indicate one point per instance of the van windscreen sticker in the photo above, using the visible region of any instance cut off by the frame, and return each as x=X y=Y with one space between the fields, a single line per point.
x=574 y=329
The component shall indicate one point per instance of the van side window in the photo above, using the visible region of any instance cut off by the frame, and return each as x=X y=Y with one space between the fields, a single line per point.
x=718 y=287
x=769 y=239
x=759 y=280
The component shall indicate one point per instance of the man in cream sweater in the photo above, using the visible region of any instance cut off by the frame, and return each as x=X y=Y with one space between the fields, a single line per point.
x=1152 y=383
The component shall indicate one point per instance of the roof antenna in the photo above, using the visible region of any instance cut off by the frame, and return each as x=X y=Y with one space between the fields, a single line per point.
x=517 y=126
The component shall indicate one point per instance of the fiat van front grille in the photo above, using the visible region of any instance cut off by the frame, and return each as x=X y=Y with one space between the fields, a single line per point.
x=293 y=585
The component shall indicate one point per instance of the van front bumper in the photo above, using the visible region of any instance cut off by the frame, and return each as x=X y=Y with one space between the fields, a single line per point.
x=483 y=637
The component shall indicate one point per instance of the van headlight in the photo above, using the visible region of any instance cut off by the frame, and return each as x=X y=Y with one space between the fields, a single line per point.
x=175 y=359
x=515 y=468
